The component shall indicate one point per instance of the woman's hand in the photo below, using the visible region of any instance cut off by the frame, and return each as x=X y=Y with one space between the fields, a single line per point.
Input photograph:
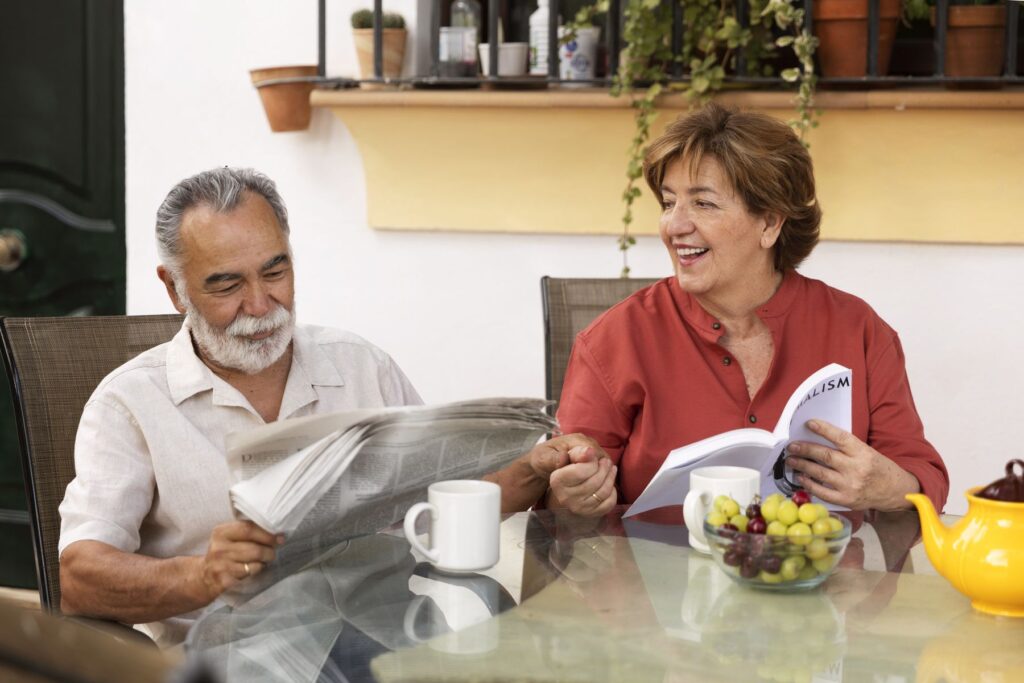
x=851 y=473
x=585 y=486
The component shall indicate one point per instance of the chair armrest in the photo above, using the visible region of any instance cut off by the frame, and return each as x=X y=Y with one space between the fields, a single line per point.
x=121 y=632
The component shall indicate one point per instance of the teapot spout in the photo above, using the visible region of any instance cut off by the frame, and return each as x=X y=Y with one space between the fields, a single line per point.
x=933 y=531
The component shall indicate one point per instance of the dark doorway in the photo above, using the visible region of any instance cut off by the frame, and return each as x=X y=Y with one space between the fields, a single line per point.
x=62 y=246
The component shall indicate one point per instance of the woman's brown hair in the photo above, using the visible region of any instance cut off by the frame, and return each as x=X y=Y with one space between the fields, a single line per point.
x=764 y=160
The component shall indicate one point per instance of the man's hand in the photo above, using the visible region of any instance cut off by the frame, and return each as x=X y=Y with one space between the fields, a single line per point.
x=553 y=454
x=237 y=551
x=851 y=473
x=586 y=484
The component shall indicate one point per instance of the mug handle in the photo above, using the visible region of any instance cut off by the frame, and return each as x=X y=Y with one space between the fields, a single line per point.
x=414 y=512
x=695 y=506
x=409 y=622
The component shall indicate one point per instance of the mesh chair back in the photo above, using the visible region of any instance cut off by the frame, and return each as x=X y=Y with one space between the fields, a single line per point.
x=54 y=365
x=570 y=305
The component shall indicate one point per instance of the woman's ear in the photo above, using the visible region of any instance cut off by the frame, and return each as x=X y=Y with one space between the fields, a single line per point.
x=771 y=229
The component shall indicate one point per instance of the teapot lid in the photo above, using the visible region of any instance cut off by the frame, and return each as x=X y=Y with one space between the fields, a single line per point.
x=1009 y=489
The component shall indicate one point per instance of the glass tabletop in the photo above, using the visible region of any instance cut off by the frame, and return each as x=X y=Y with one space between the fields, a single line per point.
x=575 y=599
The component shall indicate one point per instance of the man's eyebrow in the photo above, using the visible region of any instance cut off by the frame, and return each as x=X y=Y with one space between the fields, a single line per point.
x=219 y=278
x=280 y=259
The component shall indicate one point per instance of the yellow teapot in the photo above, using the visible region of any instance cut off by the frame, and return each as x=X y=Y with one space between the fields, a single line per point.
x=982 y=555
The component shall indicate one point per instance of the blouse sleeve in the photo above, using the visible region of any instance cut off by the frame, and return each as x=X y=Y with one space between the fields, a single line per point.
x=895 y=429
x=588 y=405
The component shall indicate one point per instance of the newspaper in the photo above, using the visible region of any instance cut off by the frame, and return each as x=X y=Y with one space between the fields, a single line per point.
x=354 y=473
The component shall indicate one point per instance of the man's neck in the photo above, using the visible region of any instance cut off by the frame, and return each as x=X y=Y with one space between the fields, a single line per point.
x=264 y=390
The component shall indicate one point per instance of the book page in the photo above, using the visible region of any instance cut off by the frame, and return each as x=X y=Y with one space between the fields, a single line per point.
x=825 y=395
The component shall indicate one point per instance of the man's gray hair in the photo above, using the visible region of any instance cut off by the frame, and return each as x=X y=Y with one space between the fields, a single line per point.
x=222 y=189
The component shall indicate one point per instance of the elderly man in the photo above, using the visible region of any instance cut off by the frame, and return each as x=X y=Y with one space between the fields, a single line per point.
x=147 y=533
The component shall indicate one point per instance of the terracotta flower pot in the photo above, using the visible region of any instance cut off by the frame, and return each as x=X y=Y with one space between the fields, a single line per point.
x=975 y=38
x=393 y=51
x=842 y=30
x=284 y=91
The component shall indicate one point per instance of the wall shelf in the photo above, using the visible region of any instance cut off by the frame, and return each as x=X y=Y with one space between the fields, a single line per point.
x=907 y=165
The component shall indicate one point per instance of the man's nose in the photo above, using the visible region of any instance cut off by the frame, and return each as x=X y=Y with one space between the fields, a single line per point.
x=257 y=301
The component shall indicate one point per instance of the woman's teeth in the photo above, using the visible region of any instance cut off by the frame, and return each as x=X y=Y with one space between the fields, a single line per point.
x=695 y=251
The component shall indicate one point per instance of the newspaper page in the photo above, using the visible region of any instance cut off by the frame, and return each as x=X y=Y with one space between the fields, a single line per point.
x=356 y=470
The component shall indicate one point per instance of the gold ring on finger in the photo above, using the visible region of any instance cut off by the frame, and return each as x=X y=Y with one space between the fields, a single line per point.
x=248 y=572
x=594 y=496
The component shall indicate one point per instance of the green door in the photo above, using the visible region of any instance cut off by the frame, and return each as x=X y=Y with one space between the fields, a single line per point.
x=62 y=248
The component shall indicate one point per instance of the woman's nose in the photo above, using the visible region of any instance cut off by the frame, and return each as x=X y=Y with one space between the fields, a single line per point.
x=677 y=221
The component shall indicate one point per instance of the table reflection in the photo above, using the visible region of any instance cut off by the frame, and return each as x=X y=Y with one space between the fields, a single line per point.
x=608 y=600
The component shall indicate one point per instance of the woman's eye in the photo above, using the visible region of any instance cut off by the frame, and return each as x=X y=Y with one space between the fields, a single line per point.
x=704 y=204
x=666 y=205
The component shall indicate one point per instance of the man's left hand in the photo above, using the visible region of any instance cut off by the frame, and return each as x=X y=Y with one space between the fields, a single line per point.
x=849 y=473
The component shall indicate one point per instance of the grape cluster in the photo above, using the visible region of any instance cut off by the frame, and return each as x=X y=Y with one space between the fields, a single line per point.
x=778 y=539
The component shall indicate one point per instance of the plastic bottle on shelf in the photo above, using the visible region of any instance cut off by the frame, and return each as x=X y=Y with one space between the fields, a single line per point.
x=466 y=15
x=539 y=34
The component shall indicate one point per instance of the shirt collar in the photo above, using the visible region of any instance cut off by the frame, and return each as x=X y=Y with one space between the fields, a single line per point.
x=187 y=375
x=704 y=323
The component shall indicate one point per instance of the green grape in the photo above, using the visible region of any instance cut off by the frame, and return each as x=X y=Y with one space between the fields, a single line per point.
x=776 y=528
x=821 y=526
x=770 y=508
x=770 y=578
x=836 y=523
x=791 y=567
x=740 y=522
x=808 y=513
x=720 y=501
x=823 y=564
x=788 y=512
x=717 y=519
x=817 y=549
x=799 y=534
x=730 y=508
x=808 y=572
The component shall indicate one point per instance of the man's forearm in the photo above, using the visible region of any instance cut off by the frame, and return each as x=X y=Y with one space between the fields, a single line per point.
x=101 y=581
x=520 y=484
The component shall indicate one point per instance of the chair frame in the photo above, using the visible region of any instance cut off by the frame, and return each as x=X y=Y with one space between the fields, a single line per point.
x=49 y=586
x=605 y=293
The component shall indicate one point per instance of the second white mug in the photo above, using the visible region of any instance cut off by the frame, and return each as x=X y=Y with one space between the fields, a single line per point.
x=465 y=520
x=739 y=483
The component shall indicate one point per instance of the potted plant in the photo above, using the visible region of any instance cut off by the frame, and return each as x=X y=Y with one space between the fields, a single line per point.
x=713 y=37
x=841 y=27
x=284 y=92
x=975 y=35
x=393 y=43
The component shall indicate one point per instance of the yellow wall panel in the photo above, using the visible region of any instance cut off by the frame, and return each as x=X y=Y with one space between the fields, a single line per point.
x=885 y=172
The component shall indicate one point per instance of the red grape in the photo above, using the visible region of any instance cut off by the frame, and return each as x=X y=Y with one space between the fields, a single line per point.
x=753 y=510
x=801 y=498
x=757 y=525
x=749 y=568
x=771 y=564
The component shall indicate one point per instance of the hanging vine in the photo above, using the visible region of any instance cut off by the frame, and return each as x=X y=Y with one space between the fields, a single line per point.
x=713 y=37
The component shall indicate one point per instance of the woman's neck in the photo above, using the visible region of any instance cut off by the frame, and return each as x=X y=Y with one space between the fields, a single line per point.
x=737 y=310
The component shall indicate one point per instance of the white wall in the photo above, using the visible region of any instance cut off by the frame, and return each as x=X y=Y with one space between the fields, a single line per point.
x=461 y=313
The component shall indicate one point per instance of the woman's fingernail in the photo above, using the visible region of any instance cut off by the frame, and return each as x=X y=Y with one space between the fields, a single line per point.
x=812 y=424
x=794 y=448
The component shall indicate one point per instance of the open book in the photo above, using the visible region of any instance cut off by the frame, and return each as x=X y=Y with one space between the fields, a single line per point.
x=825 y=395
x=356 y=472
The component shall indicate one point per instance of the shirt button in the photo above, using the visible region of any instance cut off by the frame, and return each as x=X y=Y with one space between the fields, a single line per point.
x=753 y=419
x=716 y=326
x=727 y=361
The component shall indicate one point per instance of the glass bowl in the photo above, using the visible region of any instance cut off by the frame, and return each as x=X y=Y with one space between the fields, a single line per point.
x=777 y=563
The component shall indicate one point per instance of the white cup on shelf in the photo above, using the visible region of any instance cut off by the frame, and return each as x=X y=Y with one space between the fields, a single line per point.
x=511 y=58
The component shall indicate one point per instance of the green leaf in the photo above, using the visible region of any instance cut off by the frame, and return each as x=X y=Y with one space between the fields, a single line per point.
x=790 y=75
x=784 y=41
x=700 y=84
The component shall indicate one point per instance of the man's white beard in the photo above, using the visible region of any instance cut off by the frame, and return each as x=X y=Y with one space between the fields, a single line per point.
x=232 y=349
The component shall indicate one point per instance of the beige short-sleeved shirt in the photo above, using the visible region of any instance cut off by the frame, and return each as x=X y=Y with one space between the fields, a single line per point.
x=151 y=475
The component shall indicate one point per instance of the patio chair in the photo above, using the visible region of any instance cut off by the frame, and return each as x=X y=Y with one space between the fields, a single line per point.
x=54 y=364
x=570 y=304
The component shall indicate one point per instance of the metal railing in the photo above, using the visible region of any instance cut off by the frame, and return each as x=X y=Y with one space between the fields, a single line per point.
x=613 y=45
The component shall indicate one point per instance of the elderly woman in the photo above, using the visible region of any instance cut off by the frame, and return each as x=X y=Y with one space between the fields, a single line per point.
x=723 y=343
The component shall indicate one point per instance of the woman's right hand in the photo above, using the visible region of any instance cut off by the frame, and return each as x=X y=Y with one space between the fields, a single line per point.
x=586 y=486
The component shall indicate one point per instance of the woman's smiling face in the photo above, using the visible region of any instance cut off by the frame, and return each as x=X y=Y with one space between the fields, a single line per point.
x=718 y=246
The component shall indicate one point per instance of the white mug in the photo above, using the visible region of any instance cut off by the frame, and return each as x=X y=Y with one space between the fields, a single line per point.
x=739 y=483
x=465 y=516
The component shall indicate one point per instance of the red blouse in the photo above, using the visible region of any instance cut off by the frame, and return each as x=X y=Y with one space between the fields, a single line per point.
x=648 y=376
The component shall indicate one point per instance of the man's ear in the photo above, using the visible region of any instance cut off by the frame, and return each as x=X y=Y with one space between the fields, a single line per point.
x=172 y=291
x=771 y=229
